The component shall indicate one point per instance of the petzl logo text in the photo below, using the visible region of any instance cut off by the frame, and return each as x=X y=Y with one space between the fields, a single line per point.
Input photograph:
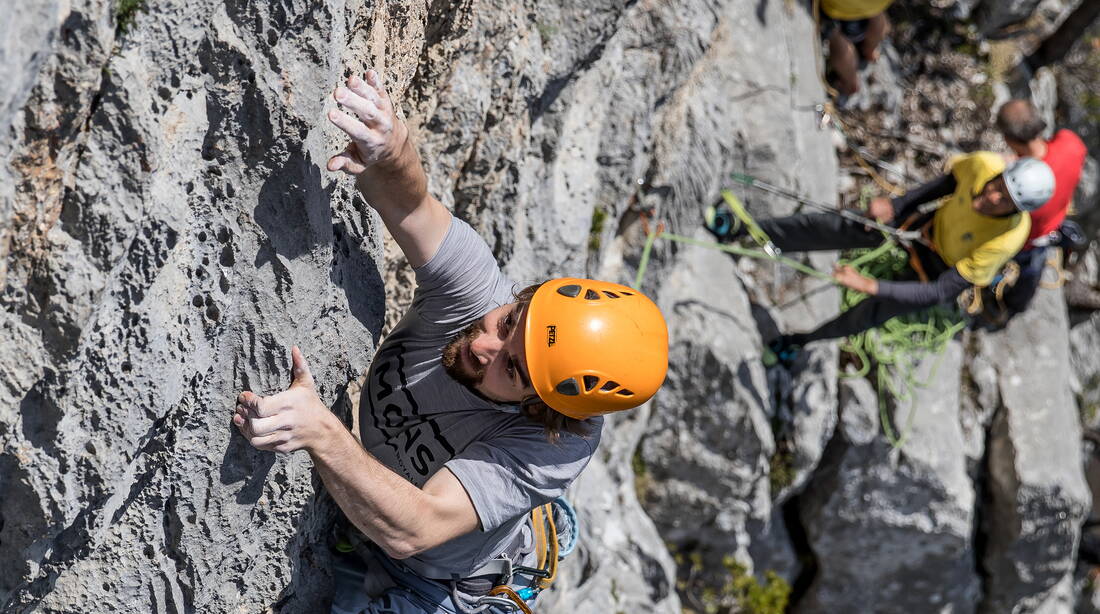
x=551 y=335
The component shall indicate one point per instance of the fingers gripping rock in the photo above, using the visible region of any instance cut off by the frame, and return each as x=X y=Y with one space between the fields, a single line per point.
x=376 y=133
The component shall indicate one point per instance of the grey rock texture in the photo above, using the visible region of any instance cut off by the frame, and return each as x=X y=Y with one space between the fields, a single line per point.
x=1033 y=472
x=993 y=15
x=709 y=442
x=892 y=528
x=168 y=230
x=172 y=232
x=171 y=237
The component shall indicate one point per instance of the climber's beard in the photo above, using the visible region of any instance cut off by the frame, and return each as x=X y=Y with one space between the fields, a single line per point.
x=459 y=361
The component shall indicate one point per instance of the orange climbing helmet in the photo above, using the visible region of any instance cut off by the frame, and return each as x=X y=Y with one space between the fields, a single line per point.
x=594 y=347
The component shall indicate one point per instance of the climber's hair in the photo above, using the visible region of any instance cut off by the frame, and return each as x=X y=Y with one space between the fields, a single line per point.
x=533 y=407
x=1019 y=120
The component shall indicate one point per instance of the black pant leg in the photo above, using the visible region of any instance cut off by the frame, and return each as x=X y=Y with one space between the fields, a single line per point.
x=811 y=232
x=868 y=313
x=1031 y=262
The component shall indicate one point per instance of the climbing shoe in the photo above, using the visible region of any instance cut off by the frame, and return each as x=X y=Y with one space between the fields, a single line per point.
x=781 y=352
x=721 y=222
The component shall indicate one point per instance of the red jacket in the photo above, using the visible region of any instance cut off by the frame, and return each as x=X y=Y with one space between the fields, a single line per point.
x=1066 y=156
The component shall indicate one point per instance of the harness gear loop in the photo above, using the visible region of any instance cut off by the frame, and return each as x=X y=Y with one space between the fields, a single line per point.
x=974 y=304
x=546 y=556
x=1010 y=274
x=546 y=543
x=970 y=300
x=511 y=596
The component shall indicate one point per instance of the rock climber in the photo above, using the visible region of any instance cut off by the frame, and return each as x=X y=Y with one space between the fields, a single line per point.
x=847 y=24
x=1022 y=128
x=479 y=410
x=979 y=225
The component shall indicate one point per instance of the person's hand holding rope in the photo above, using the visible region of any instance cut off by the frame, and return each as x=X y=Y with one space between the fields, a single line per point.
x=848 y=276
x=881 y=209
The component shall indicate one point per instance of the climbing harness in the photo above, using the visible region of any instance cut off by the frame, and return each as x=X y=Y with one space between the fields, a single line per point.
x=903 y=236
x=988 y=302
x=547 y=554
x=507 y=593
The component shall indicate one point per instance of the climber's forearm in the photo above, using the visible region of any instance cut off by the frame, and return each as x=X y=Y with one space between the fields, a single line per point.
x=383 y=159
x=398 y=190
x=393 y=513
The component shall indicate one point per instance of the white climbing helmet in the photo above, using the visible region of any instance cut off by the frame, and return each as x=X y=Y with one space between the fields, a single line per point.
x=1030 y=183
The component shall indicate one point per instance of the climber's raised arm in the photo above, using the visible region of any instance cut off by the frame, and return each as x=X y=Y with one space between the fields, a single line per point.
x=387 y=168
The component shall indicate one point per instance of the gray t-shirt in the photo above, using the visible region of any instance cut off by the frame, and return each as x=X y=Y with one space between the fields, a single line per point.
x=416 y=419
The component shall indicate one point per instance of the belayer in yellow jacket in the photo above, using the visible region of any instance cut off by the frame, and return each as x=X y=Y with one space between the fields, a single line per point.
x=981 y=223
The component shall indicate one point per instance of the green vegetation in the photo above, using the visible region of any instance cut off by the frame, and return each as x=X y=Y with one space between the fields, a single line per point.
x=546 y=32
x=753 y=597
x=983 y=94
x=1088 y=406
x=781 y=471
x=125 y=13
x=728 y=589
x=641 y=474
x=1091 y=103
x=599 y=217
x=737 y=590
x=1089 y=411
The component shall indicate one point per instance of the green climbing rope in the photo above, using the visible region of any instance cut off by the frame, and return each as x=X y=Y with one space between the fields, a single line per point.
x=755 y=231
x=894 y=349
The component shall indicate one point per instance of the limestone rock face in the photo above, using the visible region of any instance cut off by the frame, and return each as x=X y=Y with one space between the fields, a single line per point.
x=621 y=563
x=709 y=441
x=892 y=528
x=168 y=231
x=170 y=237
x=1033 y=473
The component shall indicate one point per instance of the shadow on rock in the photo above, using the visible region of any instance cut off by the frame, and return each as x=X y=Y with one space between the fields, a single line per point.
x=243 y=463
x=293 y=209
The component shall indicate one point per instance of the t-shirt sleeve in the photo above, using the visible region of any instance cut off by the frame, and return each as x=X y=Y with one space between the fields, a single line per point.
x=461 y=281
x=510 y=475
x=983 y=264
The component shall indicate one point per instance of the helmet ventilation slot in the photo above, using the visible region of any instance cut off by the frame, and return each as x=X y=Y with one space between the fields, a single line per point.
x=572 y=290
x=591 y=295
x=590 y=382
x=609 y=386
x=610 y=294
x=625 y=393
x=568 y=387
